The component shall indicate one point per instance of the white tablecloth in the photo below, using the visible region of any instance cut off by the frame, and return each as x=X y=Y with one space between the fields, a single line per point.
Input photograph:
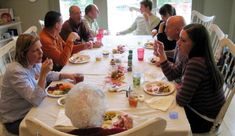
x=95 y=72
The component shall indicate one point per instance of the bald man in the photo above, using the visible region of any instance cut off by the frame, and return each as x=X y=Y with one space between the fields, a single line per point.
x=91 y=14
x=75 y=24
x=174 y=25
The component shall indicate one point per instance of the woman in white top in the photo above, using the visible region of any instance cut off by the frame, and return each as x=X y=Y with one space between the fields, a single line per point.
x=24 y=81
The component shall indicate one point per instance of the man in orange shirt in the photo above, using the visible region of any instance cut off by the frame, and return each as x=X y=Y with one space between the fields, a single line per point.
x=53 y=46
x=75 y=24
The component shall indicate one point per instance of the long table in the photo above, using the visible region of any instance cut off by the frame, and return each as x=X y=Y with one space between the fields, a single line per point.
x=96 y=71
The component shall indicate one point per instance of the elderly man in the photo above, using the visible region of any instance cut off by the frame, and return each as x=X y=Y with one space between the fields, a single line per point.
x=91 y=14
x=53 y=46
x=75 y=24
x=173 y=27
x=143 y=24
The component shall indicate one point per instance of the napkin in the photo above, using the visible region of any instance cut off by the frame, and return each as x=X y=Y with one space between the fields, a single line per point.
x=63 y=123
x=160 y=103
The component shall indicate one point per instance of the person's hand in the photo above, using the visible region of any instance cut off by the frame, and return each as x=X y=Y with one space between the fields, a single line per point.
x=47 y=66
x=161 y=27
x=97 y=44
x=159 y=51
x=73 y=36
x=154 y=32
x=75 y=77
x=89 y=45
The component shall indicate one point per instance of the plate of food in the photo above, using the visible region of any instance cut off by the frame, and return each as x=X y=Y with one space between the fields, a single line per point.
x=59 y=89
x=79 y=59
x=160 y=88
x=149 y=45
x=61 y=101
x=117 y=119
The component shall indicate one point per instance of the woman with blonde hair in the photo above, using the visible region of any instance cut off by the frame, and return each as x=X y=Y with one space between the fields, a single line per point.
x=23 y=84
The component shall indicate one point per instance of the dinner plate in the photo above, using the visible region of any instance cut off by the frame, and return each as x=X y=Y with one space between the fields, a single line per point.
x=159 y=88
x=112 y=117
x=61 y=101
x=79 y=59
x=148 y=45
x=58 y=89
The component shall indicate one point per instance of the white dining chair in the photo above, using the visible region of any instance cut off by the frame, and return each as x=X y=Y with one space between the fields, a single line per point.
x=197 y=17
x=216 y=35
x=38 y=128
x=41 y=22
x=228 y=71
x=32 y=29
x=152 y=127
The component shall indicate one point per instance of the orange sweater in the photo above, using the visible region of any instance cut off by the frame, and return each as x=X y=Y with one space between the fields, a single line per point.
x=56 y=48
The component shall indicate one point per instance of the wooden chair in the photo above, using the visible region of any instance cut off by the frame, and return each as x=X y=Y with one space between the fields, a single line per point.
x=152 y=127
x=216 y=35
x=41 y=22
x=197 y=17
x=228 y=70
x=32 y=29
x=38 y=128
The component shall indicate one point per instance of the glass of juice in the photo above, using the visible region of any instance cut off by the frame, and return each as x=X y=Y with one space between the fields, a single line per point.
x=133 y=99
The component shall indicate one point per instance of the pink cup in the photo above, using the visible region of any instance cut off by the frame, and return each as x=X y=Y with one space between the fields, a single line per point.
x=140 y=54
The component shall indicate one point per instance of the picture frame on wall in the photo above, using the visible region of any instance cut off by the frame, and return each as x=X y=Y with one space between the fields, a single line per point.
x=6 y=15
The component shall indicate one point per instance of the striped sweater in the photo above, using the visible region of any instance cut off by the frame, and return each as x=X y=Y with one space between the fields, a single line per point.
x=197 y=89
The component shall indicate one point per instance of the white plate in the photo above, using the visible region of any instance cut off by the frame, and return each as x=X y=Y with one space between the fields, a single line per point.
x=155 y=85
x=61 y=101
x=148 y=45
x=79 y=59
x=53 y=85
x=109 y=122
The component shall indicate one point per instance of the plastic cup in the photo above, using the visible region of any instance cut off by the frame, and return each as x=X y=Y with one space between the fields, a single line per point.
x=140 y=54
x=133 y=99
x=79 y=77
x=136 y=79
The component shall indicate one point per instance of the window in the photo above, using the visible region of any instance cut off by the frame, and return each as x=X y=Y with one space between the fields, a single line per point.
x=120 y=17
x=65 y=4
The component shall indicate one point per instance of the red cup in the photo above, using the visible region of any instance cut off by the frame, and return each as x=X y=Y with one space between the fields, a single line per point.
x=140 y=54
x=79 y=78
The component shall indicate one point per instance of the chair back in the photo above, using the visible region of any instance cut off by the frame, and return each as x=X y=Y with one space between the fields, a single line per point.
x=216 y=35
x=6 y=55
x=38 y=128
x=228 y=71
x=197 y=17
x=152 y=127
x=32 y=29
x=41 y=22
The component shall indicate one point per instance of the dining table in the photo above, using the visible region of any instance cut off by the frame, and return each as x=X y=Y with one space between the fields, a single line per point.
x=97 y=72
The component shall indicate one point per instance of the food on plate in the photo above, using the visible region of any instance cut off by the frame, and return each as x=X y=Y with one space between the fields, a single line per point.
x=158 y=88
x=114 y=119
x=118 y=74
x=112 y=62
x=149 y=45
x=59 y=89
x=79 y=59
x=120 y=49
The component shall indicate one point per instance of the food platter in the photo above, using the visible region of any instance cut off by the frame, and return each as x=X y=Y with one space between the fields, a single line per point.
x=159 y=88
x=59 y=89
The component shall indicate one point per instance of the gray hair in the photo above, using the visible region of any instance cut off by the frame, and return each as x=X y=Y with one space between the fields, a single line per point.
x=85 y=105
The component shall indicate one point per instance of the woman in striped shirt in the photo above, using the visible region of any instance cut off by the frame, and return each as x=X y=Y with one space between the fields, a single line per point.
x=201 y=93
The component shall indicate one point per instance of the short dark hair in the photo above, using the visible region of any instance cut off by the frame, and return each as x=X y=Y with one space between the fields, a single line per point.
x=167 y=9
x=88 y=8
x=51 y=18
x=147 y=3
